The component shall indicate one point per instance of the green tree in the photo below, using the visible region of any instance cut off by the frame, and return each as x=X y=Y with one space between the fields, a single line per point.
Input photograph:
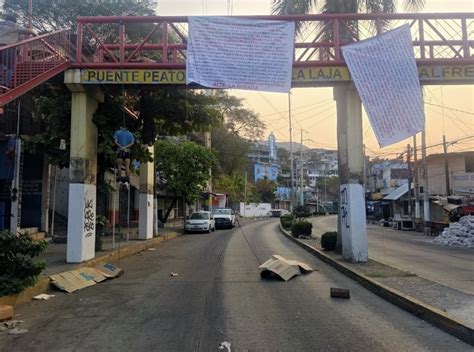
x=284 y=7
x=58 y=14
x=183 y=169
x=264 y=191
x=232 y=185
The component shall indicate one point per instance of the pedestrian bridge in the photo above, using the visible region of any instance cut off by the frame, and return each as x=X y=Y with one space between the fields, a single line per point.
x=152 y=50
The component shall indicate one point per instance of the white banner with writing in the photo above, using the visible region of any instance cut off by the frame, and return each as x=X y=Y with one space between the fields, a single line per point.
x=384 y=71
x=239 y=53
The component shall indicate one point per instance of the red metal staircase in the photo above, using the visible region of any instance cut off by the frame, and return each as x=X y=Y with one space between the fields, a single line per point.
x=30 y=62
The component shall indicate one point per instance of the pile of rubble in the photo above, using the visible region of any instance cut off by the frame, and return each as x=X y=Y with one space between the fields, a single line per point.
x=459 y=234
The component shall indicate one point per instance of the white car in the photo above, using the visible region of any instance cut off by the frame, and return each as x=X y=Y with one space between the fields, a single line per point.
x=200 y=221
x=224 y=217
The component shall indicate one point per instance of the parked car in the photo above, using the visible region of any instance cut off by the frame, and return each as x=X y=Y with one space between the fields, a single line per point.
x=224 y=218
x=200 y=221
x=276 y=213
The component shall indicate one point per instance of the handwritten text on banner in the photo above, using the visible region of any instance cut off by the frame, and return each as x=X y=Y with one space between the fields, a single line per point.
x=385 y=74
x=240 y=53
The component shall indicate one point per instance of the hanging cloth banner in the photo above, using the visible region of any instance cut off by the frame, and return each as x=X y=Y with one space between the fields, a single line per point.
x=384 y=72
x=239 y=53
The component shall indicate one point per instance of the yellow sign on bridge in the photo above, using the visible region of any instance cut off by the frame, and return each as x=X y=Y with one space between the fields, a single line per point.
x=308 y=76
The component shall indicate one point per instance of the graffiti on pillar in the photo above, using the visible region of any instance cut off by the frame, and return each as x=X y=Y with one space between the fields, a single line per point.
x=344 y=208
x=89 y=217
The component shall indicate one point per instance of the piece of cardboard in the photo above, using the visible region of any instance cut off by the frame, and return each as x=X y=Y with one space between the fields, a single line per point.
x=74 y=280
x=109 y=270
x=283 y=268
x=6 y=312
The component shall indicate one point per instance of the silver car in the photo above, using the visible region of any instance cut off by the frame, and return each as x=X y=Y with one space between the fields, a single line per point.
x=200 y=221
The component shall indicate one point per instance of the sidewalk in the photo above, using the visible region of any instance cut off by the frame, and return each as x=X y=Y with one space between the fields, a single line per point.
x=401 y=263
x=413 y=252
x=55 y=254
x=55 y=258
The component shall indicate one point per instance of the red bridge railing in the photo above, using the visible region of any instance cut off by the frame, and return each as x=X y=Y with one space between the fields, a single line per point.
x=28 y=63
x=115 y=42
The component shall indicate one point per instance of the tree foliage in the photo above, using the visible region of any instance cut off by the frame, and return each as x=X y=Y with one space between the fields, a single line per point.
x=18 y=269
x=183 y=168
x=287 y=7
x=58 y=14
x=264 y=191
x=233 y=185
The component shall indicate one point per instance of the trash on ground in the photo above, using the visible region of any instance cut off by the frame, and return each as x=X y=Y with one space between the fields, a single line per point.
x=226 y=345
x=340 y=293
x=458 y=234
x=43 y=297
x=151 y=249
x=16 y=331
x=6 y=312
x=74 y=280
x=174 y=274
x=280 y=267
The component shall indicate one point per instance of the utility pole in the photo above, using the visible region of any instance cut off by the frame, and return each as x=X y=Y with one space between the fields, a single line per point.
x=365 y=172
x=301 y=171
x=446 y=166
x=30 y=14
x=409 y=179
x=416 y=184
x=245 y=188
x=426 y=192
x=291 y=154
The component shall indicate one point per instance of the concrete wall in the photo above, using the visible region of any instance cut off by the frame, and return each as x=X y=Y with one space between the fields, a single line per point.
x=458 y=177
x=254 y=209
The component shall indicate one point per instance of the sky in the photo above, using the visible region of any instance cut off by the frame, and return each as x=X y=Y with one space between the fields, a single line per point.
x=314 y=110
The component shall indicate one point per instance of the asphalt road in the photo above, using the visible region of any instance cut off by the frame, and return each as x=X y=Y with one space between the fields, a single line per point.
x=413 y=252
x=219 y=296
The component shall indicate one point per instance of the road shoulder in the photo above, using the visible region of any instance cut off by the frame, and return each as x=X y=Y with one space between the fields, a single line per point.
x=387 y=282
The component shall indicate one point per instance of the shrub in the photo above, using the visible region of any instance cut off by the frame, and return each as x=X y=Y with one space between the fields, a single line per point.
x=286 y=221
x=301 y=227
x=328 y=241
x=17 y=267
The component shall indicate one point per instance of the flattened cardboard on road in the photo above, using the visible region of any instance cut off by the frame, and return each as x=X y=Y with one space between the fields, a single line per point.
x=74 y=280
x=283 y=268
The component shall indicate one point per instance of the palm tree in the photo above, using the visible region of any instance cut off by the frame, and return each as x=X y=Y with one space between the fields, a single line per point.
x=294 y=7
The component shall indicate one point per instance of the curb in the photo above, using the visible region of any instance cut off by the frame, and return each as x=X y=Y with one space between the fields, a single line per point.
x=43 y=286
x=430 y=314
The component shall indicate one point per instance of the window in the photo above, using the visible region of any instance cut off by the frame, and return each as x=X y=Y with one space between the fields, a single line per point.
x=200 y=216
x=469 y=160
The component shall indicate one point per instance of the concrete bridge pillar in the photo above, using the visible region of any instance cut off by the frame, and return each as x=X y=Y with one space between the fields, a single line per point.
x=352 y=226
x=145 y=217
x=82 y=169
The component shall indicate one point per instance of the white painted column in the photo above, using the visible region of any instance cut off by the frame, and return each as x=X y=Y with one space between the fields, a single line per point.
x=82 y=170
x=352 y=228
x=145 y=215
x=353 y=223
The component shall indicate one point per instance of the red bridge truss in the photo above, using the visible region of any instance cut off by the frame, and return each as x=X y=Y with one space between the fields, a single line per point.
x=119 y=43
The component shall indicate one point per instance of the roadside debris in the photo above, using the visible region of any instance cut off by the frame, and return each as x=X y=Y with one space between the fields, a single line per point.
x=43 y=297
x=174 y=274
x=280 y=267
x=6 y=312
x=11 y=327
x=340 y=293
x=16 y=331
x=458 y=234
x=226 y=345
x=151 y=249
x=74 y=280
